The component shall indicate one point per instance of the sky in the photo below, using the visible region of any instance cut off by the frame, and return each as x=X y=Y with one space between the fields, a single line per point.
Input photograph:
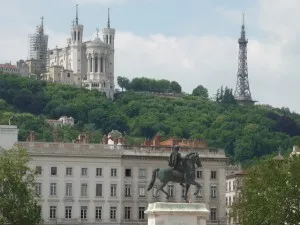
x=192 y=42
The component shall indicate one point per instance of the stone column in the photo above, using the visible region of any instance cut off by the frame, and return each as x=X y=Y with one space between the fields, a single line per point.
x=88 y=63
x=167 y=213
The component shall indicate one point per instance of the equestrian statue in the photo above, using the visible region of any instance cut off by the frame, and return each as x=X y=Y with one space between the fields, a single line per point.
x=181 y=170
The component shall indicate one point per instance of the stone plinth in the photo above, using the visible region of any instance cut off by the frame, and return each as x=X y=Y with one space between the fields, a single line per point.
x=167 y=213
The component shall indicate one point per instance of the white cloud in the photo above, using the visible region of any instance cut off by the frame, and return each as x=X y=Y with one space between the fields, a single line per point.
x=209 y=60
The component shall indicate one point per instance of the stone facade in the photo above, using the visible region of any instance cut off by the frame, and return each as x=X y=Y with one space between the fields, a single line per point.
x=88 y=179
x=8 y=136
x=234 y=182
x=89 y=64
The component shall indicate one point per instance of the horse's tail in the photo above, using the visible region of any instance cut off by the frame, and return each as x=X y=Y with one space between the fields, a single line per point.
x=153 y=179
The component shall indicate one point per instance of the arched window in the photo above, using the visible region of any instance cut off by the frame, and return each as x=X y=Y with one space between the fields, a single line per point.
x=78 y=36
x=106 y=39
x=110 y=38
x=74 y=35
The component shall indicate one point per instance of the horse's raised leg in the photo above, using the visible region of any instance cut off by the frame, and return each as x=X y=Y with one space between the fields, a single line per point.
x=161 y=188
x=198 y=187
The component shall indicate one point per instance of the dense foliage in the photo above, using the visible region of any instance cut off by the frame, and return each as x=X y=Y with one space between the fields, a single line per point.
x=245 y=132
x=270 y=193
x=18 y=203
x=150 y=85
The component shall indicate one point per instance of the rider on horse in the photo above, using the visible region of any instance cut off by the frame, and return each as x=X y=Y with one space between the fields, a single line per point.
x=175 y=161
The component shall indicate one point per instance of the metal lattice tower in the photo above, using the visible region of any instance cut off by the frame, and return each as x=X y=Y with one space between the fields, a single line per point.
x=242 y=91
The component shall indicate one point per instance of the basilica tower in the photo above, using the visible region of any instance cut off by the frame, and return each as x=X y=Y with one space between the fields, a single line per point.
x=108 y=33
x=76 y=46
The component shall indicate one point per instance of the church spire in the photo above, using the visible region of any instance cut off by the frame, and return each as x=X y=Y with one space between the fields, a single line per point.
x=108 y=20
x=41 y=28
x=76 y=20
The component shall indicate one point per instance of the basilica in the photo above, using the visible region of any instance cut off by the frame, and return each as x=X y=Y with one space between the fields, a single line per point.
x=84 y=63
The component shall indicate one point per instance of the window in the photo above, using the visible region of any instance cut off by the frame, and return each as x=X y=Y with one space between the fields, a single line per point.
x=154 y=191
x=142 y=190
x=171 y=190
x=182 y=192
x=98 y=172
x=127 y=172
x=38 y=189
x=199 y=174
x=38 y=170
x=113 y=190
x=98 y=190
x=101 y=64
x=199 y=195
x=53 y=171
x=113 y=211
x=229 y=185
x=52 y=212
x=69 y=171
x=84 y=171
x=213 y=191
x=83 y=213
x=127 y=190
x=68 y=212
x=96 y=64
x=52 y=189
x=226 y=201
x=68 y=189
x=142 y=173
x=141 y=213
x=98 y=213
x=213 y=175
x=113 y=172
x=213 y=214
x=83 y=190
x=229 y=202
x=127 y=213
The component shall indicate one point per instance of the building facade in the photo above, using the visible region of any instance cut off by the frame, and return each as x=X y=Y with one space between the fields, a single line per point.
x=95 y=183
x=234 y=183
x=80 y=183
x=89 y=64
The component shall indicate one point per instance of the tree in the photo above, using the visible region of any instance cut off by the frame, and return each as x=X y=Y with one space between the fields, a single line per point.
x=18 y=204
x=200 y=91
x=123 y=82
x=175 y=87
x=270 y=193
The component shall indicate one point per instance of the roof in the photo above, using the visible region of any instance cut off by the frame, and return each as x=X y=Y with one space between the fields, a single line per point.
x=239 y=173
x=8 y=66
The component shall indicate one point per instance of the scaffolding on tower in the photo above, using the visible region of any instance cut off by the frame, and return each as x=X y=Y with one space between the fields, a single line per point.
x=38 y=47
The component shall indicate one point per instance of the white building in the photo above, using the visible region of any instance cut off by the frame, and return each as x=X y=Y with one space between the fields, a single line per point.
x=234 y=182
x=89 y=64
x=296 y=151
x=63 y=120
x=8 y=136
x=93 y=183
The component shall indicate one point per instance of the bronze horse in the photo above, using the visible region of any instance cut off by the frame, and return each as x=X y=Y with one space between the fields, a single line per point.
x=166 y=175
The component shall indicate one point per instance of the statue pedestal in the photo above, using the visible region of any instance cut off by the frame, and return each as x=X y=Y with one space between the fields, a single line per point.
x=167 y=213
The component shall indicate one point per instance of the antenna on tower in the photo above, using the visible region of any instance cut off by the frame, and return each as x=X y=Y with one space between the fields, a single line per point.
x=76 y=15
x=108 y=20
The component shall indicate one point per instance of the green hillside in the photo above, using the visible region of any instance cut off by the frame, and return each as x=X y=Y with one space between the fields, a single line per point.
x=245 y=132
